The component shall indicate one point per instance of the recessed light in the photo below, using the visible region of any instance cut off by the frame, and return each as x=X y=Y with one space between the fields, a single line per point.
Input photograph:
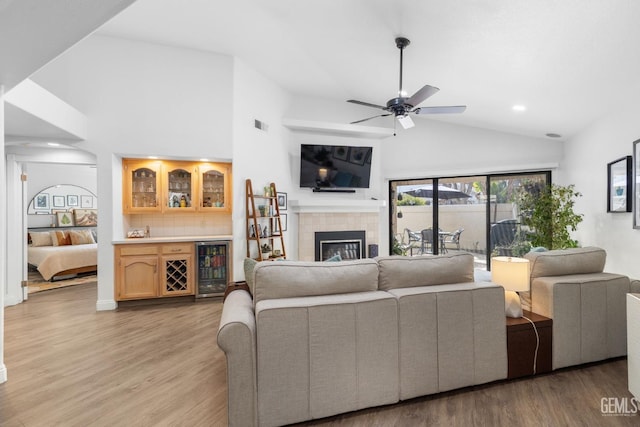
x=553 y=135
x=519 y=107
x=53 y=144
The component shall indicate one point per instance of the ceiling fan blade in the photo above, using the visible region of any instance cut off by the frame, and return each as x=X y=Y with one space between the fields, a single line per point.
x=366 y=104
x=441 y=110
x=369 y=118
x=421 y=95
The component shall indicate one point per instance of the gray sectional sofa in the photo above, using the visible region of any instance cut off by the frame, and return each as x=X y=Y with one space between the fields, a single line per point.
x=319 y=339
x=587 y=305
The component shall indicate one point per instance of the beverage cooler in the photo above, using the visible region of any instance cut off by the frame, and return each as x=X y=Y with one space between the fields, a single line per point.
x=212 y=265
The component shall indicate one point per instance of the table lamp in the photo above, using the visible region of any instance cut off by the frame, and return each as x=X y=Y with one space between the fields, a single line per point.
x=513 y=274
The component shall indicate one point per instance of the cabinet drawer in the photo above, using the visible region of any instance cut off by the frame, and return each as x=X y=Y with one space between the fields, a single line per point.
x=138 y=250
x=179 y=248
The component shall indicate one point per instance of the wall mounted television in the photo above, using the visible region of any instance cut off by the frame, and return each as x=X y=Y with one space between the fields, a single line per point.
x=334 y=167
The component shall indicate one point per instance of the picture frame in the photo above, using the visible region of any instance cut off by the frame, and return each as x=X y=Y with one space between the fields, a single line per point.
x=619 y=184
x=86 y=217
x=283 y=221
x=72 y=200
x=41 y=202
x=86 y=202
x=340 y=152
x=636 y=188
x=282 y=201
x=64 y=219
x=358 y=155
x=59 y=201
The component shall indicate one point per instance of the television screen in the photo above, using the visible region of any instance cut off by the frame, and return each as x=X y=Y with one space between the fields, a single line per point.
x=335 y=166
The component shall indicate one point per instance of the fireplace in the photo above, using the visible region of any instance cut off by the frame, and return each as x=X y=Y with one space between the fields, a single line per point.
x=349 y=244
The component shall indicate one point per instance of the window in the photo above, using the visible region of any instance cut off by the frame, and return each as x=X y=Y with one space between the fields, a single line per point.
x=476 y=214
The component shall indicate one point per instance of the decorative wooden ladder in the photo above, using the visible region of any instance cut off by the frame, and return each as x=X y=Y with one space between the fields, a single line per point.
x=264 y=226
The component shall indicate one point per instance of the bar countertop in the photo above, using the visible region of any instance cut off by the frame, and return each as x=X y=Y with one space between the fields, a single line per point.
x=171 y=239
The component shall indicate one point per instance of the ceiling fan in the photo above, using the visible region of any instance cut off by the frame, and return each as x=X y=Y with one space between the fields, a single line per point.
x=402 y=106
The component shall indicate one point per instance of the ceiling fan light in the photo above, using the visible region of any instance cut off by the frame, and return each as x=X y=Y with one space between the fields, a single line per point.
x=405 y=121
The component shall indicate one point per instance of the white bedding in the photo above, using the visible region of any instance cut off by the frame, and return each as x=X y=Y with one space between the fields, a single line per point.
x=51 y=260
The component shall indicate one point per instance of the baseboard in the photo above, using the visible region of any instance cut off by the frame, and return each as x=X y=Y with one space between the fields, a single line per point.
x=3 y=373
x=105 y=305
x=12 y=300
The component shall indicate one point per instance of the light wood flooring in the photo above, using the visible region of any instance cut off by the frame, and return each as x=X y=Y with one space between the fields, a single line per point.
x=69 y=365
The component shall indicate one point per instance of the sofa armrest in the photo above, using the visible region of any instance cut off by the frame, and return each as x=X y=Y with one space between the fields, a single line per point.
x=588 y=312
x=237 y=338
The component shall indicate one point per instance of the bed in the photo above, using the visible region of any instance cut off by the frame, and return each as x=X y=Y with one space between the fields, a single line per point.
x=55 y=261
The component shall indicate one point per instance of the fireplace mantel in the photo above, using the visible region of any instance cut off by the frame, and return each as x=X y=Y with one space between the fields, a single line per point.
x=336 y=206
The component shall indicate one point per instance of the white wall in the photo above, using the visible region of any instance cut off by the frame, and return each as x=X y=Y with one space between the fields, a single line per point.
x=141 y=99
x=3 y=248
x=262 y=156
x=585 y=165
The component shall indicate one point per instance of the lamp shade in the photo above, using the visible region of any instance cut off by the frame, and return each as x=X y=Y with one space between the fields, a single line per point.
x=511 y=273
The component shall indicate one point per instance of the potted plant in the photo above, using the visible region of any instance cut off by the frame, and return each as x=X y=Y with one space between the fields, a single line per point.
x=548 y=213
x=266 y=250
x=263 y=210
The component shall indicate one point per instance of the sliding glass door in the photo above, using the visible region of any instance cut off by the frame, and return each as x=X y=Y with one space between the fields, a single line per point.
x=476 y=214
x=411 y=217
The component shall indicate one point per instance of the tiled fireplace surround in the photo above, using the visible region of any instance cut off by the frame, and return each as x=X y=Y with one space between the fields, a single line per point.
x=309 y=223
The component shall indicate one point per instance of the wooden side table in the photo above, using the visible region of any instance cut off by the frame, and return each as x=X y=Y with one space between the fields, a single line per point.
x=521 y=345
x=234 y=286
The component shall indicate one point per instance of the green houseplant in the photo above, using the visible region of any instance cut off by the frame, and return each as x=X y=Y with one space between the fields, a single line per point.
x=266 y=250
x=547 y=212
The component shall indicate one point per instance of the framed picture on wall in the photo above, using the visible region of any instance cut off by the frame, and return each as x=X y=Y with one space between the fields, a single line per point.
x=283 y=220
x=72 y=200
x=58 y=202
x=86 y=217
x=86 y=202
x=42 y=202
x=636 y=188
x=619 y=185
x=282 y=201
x=65 y=219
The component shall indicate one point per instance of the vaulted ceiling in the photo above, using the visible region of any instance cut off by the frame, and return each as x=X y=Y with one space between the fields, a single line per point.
x=567 y=62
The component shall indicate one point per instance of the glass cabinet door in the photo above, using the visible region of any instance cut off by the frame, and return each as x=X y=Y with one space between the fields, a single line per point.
x=180 y=187
x=141 y=187
x=214 y=187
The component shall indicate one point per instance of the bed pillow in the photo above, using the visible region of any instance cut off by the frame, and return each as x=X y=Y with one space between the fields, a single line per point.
x=42 y=238
x=81 y=237
x=60 y=238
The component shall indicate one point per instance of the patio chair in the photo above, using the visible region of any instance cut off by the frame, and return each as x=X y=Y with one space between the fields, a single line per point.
x=453 y=239
x=503 y=234
x=427 y=241
x=414 y=240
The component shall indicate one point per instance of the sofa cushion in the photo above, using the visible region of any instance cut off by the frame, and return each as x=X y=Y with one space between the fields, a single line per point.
x=322 y=355
x=405 y=272
x=249 y=265
x=561 y=262
x=289 y=279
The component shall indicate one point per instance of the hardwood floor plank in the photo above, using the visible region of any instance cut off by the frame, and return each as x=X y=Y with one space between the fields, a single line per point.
x=159 y=365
